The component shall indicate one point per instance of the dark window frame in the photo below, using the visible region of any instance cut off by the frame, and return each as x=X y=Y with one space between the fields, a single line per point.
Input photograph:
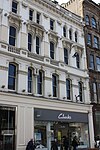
x=31 y=14
x=64 y=31
x=91 y=62
x=51 y=24
x=38 y=18
x=87 y=20
x=68 y=89
x=54 y=85
x=66 y=56
x=29 y=42
x=94 y=24
x=37 y=44
x=30 y=80
x=96 y=42
x=80 y=91
x=14 y=6
x=12 y=36
x=98 y=63
x=52 y=47
x=40 y=83
x=12 y=76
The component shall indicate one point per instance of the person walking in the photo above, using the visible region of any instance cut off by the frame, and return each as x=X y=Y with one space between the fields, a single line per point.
x=30 y=145
x=65 y=143
x=75 y=143
x=54 y=145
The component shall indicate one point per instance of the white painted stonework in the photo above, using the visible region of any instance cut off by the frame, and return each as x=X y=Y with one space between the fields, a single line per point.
x=20 y=98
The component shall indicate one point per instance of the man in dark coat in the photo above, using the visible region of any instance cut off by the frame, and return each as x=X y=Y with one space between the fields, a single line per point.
x=30 y=145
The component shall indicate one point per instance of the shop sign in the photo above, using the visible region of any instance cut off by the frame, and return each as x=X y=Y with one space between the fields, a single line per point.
x=63 y=116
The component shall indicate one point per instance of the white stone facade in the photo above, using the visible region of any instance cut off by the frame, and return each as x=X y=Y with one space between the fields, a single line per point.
x=19 y=54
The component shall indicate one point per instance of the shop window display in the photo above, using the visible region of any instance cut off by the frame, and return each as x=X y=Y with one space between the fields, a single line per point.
x=60 y=131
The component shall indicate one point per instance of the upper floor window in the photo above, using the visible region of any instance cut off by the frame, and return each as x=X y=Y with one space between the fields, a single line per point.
x=68 y=89
x=94 y=25
x=29 y=42
x=30 y=14
x=64 y=31
x=55 y=85
x=91 y=62
x=89 y=39
x=14 y=6
x=65 y=55
x=37 y=45
x=96 y=42
x=76 y=36
x=80 y=91
x=52 y=50
x=87 y=20
x=94 y=86
x=38 y=18
x=51 y=24
x=70 y=34
x=40 y=83
x=12 y=77
x=98 y=63
x=77 y=60
x=12 y=36
x=29 y=80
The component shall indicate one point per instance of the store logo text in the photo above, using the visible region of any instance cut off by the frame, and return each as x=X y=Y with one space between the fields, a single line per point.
x=62 y=116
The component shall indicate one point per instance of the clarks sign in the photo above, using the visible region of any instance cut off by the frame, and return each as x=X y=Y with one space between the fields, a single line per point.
x=63 y=116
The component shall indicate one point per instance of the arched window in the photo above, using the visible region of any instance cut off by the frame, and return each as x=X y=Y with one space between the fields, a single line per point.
x=65 y=55
x=52 y=50
x=87 y=20
x=12 y=36
x=80 y=91
x=29 y=42
x=40 y=83
x=70 y=34
x=77 y=60
x=12 y=76
x=55 y=85
x=37 y=45
x=30 y=72
x=94 y=25
x=68 y=89
x=64 y=31
x=76 y=36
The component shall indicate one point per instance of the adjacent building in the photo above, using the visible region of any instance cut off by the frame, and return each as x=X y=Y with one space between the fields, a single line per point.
x=90 y=12
x=44 y=81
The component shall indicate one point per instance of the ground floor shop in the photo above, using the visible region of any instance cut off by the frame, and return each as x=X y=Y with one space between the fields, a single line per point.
x=54 y=124
x=22 y=119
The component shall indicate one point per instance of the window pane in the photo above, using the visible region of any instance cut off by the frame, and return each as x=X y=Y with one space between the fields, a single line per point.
x=89 y=39
x=14 y=7
x=64 y=31
x=93 y=23
x=39 y=83
x=80 y=91
x=70 y=34
x=68 y=89
x=75 y=36
x=77 y=61
x=54 y=83
x=12 y=36
x=31 y=15
x=37 y=45
x=29 y=42
x=51 y=50
x=65 y=55
x=51 y=24
x=30 y=80
x=98 y=63
x=38 y=18
x=87 y=20
x=91 y=62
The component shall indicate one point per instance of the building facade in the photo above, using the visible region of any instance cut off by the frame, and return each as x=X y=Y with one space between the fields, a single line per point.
x=90 y=11
x=44 y=82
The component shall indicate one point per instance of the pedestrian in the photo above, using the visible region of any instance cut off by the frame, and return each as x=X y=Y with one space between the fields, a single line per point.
x=75 y=143
x=54 y=145
x=65 y=143
x=30 y=145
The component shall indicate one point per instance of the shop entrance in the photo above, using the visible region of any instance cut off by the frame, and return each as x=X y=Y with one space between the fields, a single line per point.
x=47 y=132
x=7 y=128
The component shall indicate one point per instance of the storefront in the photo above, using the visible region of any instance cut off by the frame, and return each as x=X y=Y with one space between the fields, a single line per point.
x=7 y=128
x=54 y=124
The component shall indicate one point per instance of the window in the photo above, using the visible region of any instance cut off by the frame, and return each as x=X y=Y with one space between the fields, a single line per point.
x=14 y=7
x=91 y=62
x=40 y=82
x=89 y=39
x=68 y=89
x=94 y=22
x=65 y=55
x=55 y=85
x=52 y=50
x=51 y=24
x=87 y=20
x=94 y=85
x=12 y=36
x=38 y=18
x=30 y=14
x=29 y=80
x=29 y=42
x=80 y=91
x=75 y=36
x=64 y=31
x=77 y=60
x=37 y=45
x=12 y=77
x=70 y=34
x=98 y=63
x=96 y=42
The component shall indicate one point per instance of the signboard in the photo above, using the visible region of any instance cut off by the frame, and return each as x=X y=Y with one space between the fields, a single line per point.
x=54 y=115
